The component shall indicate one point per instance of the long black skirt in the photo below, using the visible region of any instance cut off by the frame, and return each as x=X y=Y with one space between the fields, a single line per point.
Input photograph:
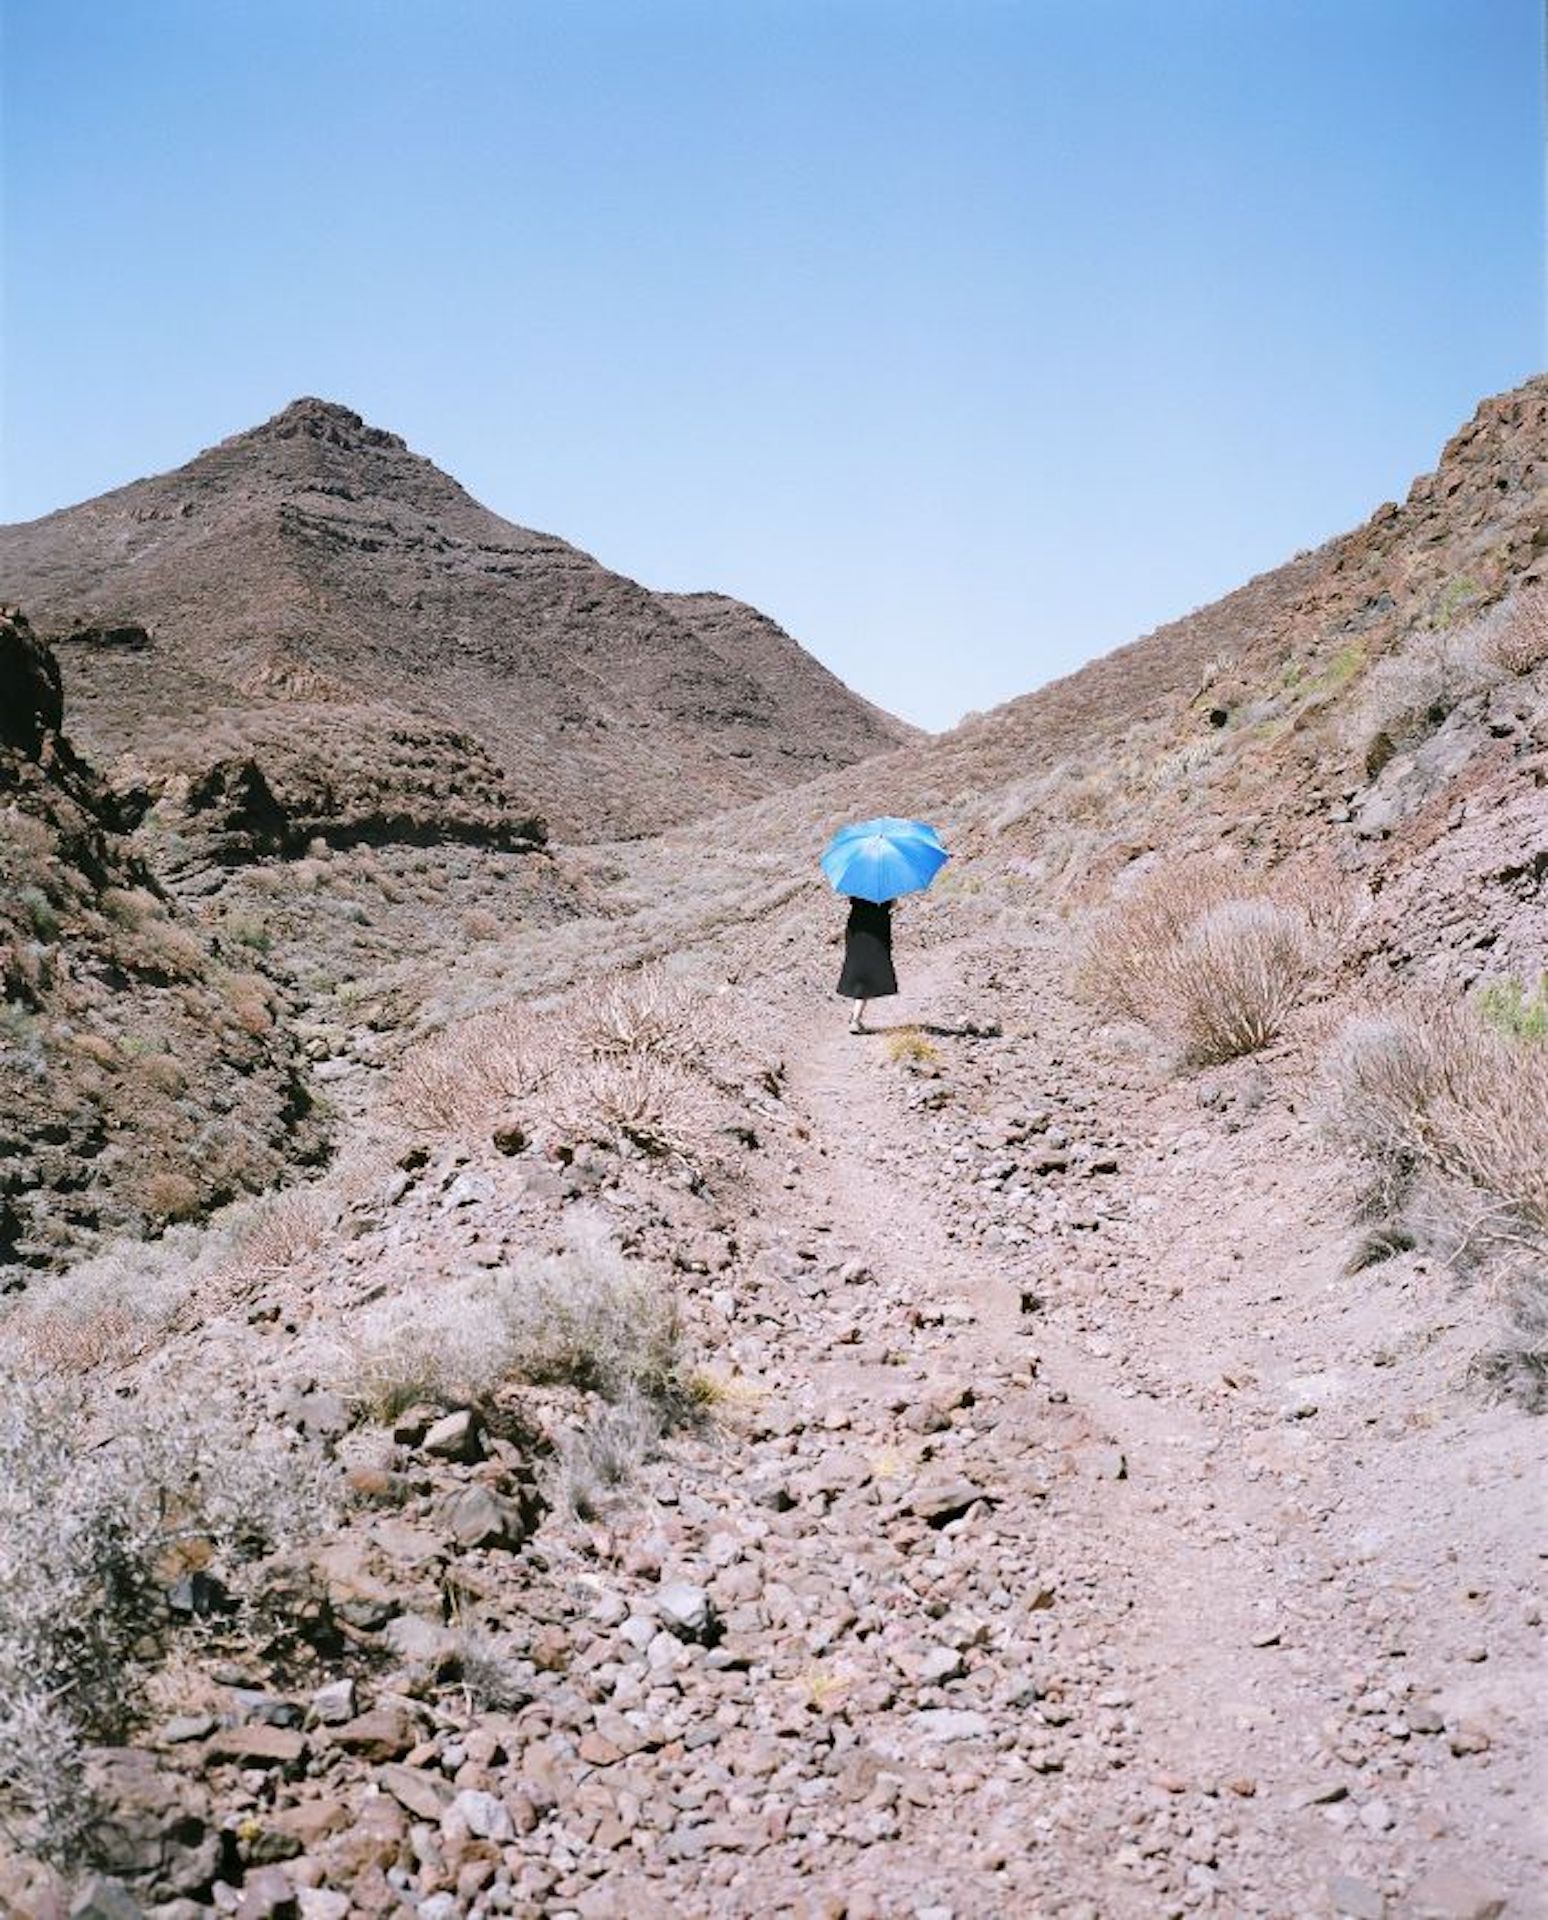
x=868 y=973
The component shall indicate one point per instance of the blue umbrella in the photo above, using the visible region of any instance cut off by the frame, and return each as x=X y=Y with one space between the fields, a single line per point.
x=889 y=824
x=879 y=859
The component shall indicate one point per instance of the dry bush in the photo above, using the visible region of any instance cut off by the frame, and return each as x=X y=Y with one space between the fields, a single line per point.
x=1517 y=636
x=1133 y=947
x=908 y=1046
x=647 y=1011
x=588 y=1317
x=115 y=1306
x=1213 y=957
x=1449 y=1120
x=447 y=1348
x=169 y=1196
x=594 y=1464
x=592 y=1318
x=90 y=1511
x=637 y=1102
x=278 y=1233
x=496 y=1675
x=1243 y=966
x=464 y=1076
x=1409 y=694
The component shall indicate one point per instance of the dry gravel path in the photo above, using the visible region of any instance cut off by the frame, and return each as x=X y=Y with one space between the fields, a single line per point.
x=1235 y=1575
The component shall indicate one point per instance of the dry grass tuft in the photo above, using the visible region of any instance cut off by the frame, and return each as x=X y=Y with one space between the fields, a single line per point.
x=594 y=1464
x=587 y=1317
x=1449 y=1120
x=1213 y=957
x=636 y=1102
x=457 y=1080
x=650 y=1011
x=908 y=1046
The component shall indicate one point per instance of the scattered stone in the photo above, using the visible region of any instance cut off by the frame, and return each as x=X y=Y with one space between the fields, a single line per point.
x=951 y=1723
x=480 y=1517
x=258 y=1746
x=322 y=1903
x=456 y=1437
x=485 y=1817
x=939 y=1502
x=423 y=1794
x=1104 y=1463
x=1453 y=1893
x=419 y=1642
x=385 y=1733
x=268 y=1894
x=104 y=1899
x=688 y=1612
x=183 y=1727
x=335 y=1703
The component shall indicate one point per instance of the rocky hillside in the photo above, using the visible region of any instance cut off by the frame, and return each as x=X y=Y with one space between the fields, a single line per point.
x=147 y=1072
x=305 y=587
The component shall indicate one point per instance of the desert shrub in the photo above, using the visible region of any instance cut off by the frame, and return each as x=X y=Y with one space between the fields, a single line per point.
x=129 y=906
x=1213 y=957
x=40 y=912
x=247 y=930
x=495 y=1673
x=446 y=1348
x=635 y=1101
x=169 y=1196
x=647 y=1011
x=463 y=1076
x=590 y=1317
x=1516 y=634
x=1448 y=1119
x=1507 y=1006
x=1243 y=966
x=1410 y=693
x=587 y=1317
x=908 y=1046
x=593 y=1464
x=164 y=948
x=92 y=1515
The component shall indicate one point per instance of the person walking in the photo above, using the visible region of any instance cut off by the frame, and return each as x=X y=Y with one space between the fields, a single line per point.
x=867 y=972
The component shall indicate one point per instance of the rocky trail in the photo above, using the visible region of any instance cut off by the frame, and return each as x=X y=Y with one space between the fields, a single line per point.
x=1177 y=1655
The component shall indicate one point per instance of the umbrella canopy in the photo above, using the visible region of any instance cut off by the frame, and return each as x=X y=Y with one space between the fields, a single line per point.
x=879 y=859
x=890 y=825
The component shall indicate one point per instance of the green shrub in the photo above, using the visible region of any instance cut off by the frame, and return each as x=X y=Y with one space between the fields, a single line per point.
x=1510 y=1009
x=40 y=913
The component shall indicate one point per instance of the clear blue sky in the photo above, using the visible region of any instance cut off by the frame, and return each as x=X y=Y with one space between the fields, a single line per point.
x=968 y=337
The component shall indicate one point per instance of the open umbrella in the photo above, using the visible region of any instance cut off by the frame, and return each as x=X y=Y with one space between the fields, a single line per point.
x=890 y=825
x=879 y=859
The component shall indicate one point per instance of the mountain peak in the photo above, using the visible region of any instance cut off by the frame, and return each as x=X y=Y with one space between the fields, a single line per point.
x=328 y=420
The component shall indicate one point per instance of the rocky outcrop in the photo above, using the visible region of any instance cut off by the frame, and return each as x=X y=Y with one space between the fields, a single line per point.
x=146 y=1074
x=31 y=698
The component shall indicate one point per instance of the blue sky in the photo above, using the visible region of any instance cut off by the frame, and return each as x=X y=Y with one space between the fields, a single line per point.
x=969 y=338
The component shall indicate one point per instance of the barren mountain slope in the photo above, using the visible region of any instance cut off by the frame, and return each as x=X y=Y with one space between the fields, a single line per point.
x=290 y=568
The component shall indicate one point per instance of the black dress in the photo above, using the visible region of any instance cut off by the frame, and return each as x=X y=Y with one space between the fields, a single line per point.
x=868 y=971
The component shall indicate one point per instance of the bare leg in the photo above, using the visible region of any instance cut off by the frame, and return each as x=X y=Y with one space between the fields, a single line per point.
x=857 y=1017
